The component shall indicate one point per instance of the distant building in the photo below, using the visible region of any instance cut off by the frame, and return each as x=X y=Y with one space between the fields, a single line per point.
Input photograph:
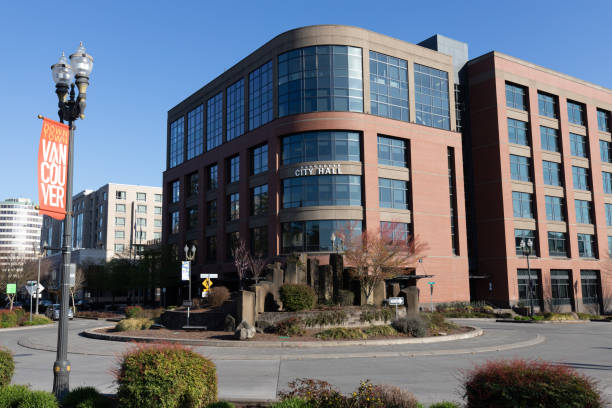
x=19 y=230
x=117 y=218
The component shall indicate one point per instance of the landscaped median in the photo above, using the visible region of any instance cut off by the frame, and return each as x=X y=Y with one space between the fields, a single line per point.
x=19 y=317
x=549 y=317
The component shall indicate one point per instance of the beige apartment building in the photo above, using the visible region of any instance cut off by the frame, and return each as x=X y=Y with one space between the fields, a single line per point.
x=118 y=218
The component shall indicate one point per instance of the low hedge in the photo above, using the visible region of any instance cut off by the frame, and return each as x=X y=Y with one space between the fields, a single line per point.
x=297 y=297
x=134 y=324
x=20 y=396
x=7 y=367
x=414 y=326
x=165 y=376
x=524 y=383
x=133 y=312
x=85 y=397
x=221 y=404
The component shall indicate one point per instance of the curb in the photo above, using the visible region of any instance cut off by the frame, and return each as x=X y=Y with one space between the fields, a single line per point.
x=476 y=331
x=543 y=321
x=38 y=326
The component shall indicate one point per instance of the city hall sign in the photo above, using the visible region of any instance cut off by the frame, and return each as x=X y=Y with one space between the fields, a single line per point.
x=318 y=169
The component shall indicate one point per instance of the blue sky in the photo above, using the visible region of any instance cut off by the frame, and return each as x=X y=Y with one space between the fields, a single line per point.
x=151 y=55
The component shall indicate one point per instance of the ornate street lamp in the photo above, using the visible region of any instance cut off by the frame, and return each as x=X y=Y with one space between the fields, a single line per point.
x=189 y=256
x=336 y=243
x=527 y=250
x=69 y=110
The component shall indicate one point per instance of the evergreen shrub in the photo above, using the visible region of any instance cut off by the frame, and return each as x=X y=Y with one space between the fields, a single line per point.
x=297 y=297
x=414 y=326
x=7 y=367
x=85 y=397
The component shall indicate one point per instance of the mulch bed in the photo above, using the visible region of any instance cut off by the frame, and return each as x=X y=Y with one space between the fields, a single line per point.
x=223 y=335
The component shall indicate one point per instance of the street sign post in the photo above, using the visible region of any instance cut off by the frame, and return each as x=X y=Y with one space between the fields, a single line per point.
x=207 y=283
x=11 y=288
x=72 y=275
x=396 y=301
x=431 y=287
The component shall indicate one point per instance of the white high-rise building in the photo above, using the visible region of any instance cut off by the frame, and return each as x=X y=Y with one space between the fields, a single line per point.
x=20 y=226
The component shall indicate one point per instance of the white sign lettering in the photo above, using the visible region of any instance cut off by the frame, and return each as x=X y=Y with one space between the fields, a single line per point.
x=318 y=169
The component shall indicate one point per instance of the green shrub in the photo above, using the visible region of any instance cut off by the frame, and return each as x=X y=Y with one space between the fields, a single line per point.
x=11 y=395
x=319 y=394
x=342 y=333
x=37 y=320
x=292 y=403
x=391 y=396
x=588 y=316
x=326 y=318
x=292 y=326
x=8 y=319
x=85 y=397
x=297 y=297
x=414 y=326
x=218 y=295
x=134 y=324
x=165 y=376
x=221 y=404
x=383 y=330
x=346 y=297
x=38 y=399
x=134 y=312
x=7 y=367
x=370 y=314
x=445 y=404
x=521 y=383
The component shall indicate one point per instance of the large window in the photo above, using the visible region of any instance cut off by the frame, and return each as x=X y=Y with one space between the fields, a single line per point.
x=529 y=285
x=141 y=196
x=580 y=175
x=195 y=132
x=608 y=208
x=321 y=146
x=552 y=173
x=605 y=150
x=525 y=235
x=120 y=208
x=259 y=159
x=211 y=248
x=211 y=212
x=305 y=236
x=232 y=241
x=517 y=132
x=393 y=193
x=177 y=140
x=119 y=220
x=174 y=222
x=590 y=286
x=550 y=139
x=320 y=78
x=431 y=97
x=603 y=120
x=193 y=184
x=392 y=152
x=578 y=145
x=607 y=182
x=176 y=191
x=388 y=86
x=192 y=218
x=321 y=190
x=575 y=113
x=583 y=212
x=233 y=169
x=587 y=246
x=260 y=96
x=259 y=242
x=214 y=121
x=520 y=168
x=554 y=208
x=560 y=286
x=557 y=243
x=547 y=105
x=522 y=204
x=213 y=177
x=233 y=206
x=516 y=96
x=395 y=231
x=259 y=200
x=235 y=110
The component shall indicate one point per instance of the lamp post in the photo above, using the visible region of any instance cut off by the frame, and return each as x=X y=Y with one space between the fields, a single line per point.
x=336 y=243
x=189 y=256
x=70 y=109
x=527 y=250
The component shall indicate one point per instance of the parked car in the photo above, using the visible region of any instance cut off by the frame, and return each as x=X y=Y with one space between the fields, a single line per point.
x=45 y=302
x=53 y=312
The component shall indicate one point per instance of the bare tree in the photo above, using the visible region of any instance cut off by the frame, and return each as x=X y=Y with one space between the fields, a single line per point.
x=257 y=267
x=79 y=284
x=15 y=269
x=376 y=256
x=241 y=260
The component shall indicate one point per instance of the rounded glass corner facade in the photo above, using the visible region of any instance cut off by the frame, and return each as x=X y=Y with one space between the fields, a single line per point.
x=315 y=236
x=323 y=145
x=320 y=78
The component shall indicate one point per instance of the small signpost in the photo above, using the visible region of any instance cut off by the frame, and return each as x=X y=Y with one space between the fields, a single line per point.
x=11 y=288
x=207 y=283
x=396 y=301
x=431 y=287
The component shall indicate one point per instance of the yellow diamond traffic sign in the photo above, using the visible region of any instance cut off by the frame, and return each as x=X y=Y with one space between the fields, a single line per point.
x=207 y=283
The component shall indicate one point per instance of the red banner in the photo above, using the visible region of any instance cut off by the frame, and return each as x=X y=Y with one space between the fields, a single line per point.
x=52 y=168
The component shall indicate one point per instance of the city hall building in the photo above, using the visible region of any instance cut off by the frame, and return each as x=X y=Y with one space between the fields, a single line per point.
x=328 y=127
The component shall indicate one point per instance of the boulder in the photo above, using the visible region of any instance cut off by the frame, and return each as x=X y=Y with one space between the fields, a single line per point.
x=263 y=326
x=244 y=331
x=229 y=324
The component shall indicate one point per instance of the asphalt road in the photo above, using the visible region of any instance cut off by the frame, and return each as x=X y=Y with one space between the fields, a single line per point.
x=431 y=371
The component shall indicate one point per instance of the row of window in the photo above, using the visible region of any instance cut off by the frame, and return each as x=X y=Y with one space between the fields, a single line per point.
x=141 y=222
x=122 y=195
x=522 y=205
x=517 y=98
x=139 y=236
x=313 y=79
x=557 y=243
x=530 y=288
x=140 y=209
